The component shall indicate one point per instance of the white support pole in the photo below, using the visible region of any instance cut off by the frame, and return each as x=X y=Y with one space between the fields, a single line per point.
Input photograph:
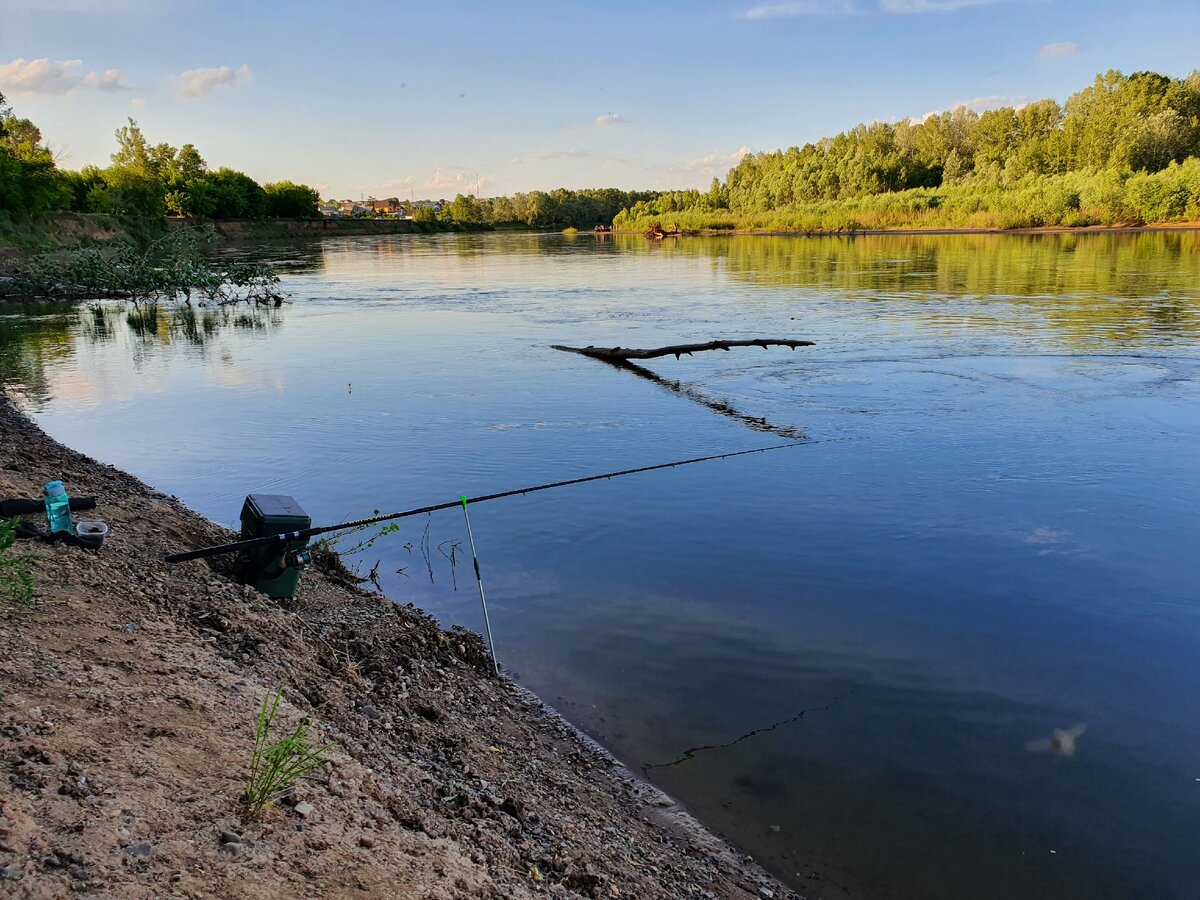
x=487 y=625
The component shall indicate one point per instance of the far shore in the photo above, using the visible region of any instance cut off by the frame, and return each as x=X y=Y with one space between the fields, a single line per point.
x=872 y=232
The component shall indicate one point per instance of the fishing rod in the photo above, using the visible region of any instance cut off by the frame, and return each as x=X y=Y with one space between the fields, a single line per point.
x=305 y=533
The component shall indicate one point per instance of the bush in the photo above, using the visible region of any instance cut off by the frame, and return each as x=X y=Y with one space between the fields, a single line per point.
x=287 y=200
x=172 y=267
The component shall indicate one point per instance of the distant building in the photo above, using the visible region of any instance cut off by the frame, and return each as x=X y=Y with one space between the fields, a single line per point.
x=331 y=210
x=409 y=208
x=389 y=207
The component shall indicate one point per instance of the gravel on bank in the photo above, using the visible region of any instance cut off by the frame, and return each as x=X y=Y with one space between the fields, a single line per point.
x=129 y=692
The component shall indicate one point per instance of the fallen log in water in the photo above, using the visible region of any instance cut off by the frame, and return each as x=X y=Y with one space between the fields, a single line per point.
x=620 y=357
x=623 y=354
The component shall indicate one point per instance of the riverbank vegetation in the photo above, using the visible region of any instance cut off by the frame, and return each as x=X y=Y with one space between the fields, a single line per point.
x=1125 y=150
x=559 y=208
x=174 y=267
x=149 y=181
x=143 y=180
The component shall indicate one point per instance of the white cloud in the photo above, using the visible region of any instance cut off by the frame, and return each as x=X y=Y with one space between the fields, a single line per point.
x=913 y=7
x=715 y=163
x=982 y=104
x=388 y=188
x=456 y=181
x=100 y=7
x=978 y=104
x=137 y=103
x=801 y=8
x=541 y=156
x=41 y=76
x=610 y=119
x=196 y=83
x=1062 y=48
x=111 y=80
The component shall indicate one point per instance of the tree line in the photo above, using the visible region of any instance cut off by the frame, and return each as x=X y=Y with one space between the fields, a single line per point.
x=142 y=179
x=558 y=208
x=153 y=180
x=1085 y=161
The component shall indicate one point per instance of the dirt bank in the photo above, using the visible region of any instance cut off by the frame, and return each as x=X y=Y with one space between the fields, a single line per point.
x=128 y=695
x=245 y=229
x=22 y=237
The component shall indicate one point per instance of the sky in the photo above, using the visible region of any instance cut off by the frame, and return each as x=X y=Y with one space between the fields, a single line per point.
x=428 y=99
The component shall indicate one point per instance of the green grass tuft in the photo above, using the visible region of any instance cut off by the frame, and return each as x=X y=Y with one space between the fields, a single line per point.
x=16 y=580
x=276 y=766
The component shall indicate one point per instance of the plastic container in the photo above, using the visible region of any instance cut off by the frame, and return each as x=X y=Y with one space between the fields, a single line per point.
x=58 y=507
x=92 y=533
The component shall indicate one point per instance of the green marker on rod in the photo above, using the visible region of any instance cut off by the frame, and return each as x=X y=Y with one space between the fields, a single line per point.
x=487 y=625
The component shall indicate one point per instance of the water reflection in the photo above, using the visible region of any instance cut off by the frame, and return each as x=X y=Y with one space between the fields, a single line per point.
x=34 y=336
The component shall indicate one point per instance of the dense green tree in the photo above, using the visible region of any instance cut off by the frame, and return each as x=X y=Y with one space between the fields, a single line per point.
x=288 y=200
x=1121 y=124
x=89 y=190
x=135 y=183
x=30 y=183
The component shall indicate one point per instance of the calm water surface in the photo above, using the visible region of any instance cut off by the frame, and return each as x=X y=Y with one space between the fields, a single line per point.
x=994 y=536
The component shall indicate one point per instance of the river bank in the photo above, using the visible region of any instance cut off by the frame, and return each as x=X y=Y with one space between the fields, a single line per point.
x=928 y=232
x=130 y=693
x=18 y=238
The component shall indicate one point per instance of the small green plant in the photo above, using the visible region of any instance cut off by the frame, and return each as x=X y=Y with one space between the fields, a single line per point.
x=331 y=554
x=277 y=765
x=16 y=580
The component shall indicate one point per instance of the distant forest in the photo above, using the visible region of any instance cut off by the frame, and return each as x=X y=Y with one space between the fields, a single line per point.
x=145 y=180
x=1124 y=150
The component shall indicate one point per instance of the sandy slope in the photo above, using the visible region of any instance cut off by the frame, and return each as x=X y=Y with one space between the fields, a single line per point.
x=128 y=694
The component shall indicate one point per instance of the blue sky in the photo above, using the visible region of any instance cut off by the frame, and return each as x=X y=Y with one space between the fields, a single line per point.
x=399 y=98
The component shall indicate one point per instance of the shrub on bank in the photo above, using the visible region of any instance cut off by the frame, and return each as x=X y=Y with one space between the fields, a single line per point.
x=1070 y=199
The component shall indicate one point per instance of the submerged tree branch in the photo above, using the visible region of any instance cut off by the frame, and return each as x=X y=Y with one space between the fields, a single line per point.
x=614 y=354
x=620 y=358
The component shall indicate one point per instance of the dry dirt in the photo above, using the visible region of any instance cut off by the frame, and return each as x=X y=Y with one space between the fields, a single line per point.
x=128 y=695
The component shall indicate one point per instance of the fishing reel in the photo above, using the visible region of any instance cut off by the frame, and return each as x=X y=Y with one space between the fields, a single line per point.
x=298 y=559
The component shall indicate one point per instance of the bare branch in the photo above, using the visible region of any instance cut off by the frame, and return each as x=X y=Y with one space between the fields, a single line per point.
x=614 y=354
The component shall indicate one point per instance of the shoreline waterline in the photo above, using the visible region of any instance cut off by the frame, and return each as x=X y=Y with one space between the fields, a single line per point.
x=605 y=792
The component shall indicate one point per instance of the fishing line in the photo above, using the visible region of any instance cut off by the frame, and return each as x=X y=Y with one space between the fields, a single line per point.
x=692 y=752
x=284 y=537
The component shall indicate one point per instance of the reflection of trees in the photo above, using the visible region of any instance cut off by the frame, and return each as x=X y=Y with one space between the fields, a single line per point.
x=38 y=336
x=295 y=257
x=32 y=336
x=1112 y=285
x=386 y=254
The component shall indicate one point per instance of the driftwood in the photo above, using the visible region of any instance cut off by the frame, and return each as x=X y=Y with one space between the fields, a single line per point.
x=620 y=358
x=624 y=354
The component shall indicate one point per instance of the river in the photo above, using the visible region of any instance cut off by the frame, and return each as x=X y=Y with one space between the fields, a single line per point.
x=990 y=532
